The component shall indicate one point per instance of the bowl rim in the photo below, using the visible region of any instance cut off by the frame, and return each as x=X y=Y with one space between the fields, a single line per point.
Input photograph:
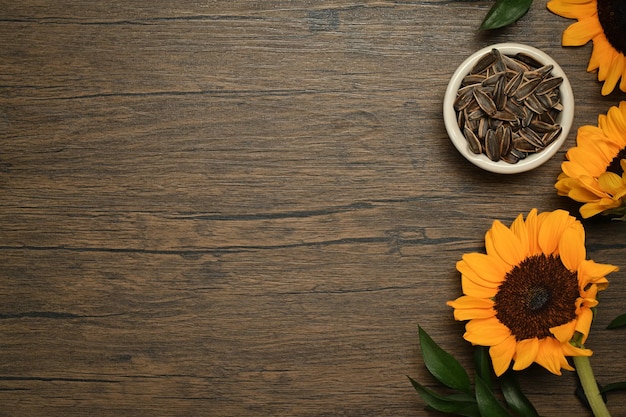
x=565 y=118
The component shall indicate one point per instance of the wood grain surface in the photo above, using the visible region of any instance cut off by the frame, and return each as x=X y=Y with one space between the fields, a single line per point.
x=246 y=208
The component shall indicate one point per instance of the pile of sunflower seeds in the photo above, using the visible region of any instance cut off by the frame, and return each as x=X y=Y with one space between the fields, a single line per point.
x=507 y=106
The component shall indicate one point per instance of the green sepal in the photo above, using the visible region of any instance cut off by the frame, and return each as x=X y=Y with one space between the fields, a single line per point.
x=482 y=361
x=488 y=405
x=514 y=396
x=505 y=12
x=615 y=386
x=619 y=321
x=443 y=366
x=462 y=405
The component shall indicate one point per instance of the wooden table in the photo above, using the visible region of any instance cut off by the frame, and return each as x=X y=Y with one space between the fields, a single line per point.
x=229 y=208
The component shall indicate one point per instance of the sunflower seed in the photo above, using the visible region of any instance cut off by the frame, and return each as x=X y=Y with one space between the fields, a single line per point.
x=515 y=64
x=542 y=127
x=472 y=141
x=528 y=60
x=504 y=116
x=545 y=100
x=550 y=137
x=483 y=126
x=499 y=64
x=534 y=104
x=483 y=63
x=522 y=145
x=510 y=158
x=545 y=70
x=476 y=114
x=493 y=79
x=463 y=99
x=485 y=102
x=472 y=124
x=498 y=93
x=470 y=79
x=492 y=147
x=503 y=136
x=547 y=118
x=518 y=154
x=515 y=107
x=525 y=122
x=460 y=119
x=526 y=88
x=548 y=85
x=513 y=84
x=532 y=138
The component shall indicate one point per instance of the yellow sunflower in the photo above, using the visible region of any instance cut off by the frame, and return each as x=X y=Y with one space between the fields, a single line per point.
x=531 y=293
x=594 y=172
x=603 y=22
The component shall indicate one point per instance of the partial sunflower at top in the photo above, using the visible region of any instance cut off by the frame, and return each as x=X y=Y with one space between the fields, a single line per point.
x=603 y=22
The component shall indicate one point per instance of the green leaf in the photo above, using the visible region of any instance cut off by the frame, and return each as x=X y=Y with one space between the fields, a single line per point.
x=487 y=402
x=453 y=404
x=514 y=396
x=443 y=366
x=615 y=386
x=482 y=361
x=505 y=12
x=619 y=321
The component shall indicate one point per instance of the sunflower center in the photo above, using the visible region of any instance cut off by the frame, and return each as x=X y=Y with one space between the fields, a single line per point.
x=615 y=165
x=537 y=298
x=536 y=295
x=612 y=17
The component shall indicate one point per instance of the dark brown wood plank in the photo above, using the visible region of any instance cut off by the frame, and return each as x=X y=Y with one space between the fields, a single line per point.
x=246 y=208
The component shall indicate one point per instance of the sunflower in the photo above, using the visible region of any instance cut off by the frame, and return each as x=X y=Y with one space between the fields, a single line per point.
x=603 y=22
x=594 y=172
x=531 y=293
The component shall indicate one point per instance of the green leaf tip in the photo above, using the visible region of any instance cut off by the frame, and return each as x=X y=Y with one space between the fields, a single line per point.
x=487 y=402
x=451 y=404
x=618 y=322
x=514 y=396
x=505 y=12
x=443 y=366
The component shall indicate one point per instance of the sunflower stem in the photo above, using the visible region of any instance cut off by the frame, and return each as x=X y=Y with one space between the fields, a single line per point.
x=590 y=386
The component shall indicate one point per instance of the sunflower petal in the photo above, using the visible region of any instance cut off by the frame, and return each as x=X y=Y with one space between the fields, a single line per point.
x=468 y=308
x=615 y=126
x=581 y=32
x=507 y=244
x=612 y=184
x=585 y=8
x=550 y=355
x=592 y=272
x=526 y=353
x=552 y=229
x=532 y=227
x=591 y=209
x=471 y=288
x=572 y=246
x=614 y=72
x=486 y=332
x=583 y=324
x=564 y=332
x=474 y=284
x=570 y=350
x=489 y=268
x=502 y=354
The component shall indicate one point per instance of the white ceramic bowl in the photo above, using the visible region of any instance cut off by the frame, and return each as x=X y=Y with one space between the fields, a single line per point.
x=532 y=161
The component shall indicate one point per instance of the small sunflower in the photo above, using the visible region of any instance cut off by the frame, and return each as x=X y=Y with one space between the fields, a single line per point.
x=603 y=22
x=594 y=172
x=531 y=293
